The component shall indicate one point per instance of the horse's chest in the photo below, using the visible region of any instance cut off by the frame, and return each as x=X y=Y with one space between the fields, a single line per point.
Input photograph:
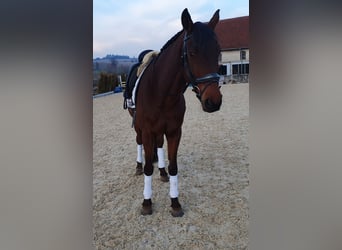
x=164 y=120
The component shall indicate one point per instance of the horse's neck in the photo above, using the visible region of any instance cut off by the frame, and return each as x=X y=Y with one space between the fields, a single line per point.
x=171 y=63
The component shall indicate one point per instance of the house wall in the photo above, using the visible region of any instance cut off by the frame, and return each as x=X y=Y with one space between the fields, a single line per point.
x=232 y=56
x=231 y=59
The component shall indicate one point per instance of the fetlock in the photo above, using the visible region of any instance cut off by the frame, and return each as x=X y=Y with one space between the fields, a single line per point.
x=139 y=169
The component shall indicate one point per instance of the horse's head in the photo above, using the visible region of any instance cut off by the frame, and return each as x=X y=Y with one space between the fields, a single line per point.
x=200 y=58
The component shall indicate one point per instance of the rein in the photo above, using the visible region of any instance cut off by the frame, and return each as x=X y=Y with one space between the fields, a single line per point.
x=209 y=78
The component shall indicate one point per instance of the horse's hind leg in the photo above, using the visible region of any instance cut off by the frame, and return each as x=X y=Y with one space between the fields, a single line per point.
x=161 y=158
x=173 y=140
x=155 y=154
x=139 y=168
x=148 y=171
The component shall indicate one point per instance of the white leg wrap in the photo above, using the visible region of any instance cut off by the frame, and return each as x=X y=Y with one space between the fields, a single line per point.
x=161 y=158
x=173 y=186
x=147 y=187
x=139 y=153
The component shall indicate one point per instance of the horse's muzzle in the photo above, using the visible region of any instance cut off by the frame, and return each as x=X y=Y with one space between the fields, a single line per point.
x=210 y=106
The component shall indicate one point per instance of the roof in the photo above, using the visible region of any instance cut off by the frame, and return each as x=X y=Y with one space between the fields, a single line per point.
x=233 y=33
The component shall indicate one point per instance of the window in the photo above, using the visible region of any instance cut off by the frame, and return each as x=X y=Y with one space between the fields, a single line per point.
x=222 y=70
x=242 y=54
x=238 y=69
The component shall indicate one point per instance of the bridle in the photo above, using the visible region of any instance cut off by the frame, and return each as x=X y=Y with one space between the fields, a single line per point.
x=209 y=78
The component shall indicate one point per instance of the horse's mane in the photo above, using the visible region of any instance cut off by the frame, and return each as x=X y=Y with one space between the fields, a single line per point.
x=200 y=33
x=171 y=40
x=167 y=44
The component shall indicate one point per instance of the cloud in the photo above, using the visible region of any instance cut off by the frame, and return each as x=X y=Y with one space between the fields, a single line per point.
x=127 y=27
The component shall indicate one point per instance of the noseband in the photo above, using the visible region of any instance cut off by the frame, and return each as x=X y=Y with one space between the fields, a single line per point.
x=209 y=78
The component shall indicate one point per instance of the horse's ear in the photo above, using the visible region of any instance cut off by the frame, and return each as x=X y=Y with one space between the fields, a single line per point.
x=186 y=21
x=214 y=20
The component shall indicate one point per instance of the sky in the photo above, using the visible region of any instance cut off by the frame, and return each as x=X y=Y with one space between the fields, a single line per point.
x=126 y=27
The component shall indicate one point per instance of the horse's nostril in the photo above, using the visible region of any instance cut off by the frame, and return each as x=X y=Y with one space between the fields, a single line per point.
x=209 y=103
x=211 y=106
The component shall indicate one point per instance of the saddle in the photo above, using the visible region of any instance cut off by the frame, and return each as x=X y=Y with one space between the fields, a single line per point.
x=137 y=70
x=146 y=61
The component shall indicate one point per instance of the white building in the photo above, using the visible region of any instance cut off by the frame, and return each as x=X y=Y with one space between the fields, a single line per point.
x=233 y=36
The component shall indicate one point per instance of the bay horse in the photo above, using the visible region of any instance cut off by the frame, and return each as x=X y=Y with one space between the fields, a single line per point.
x=189 y=58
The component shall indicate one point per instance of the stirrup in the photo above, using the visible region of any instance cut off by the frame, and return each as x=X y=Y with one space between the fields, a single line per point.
x=130 y=104
x=125 y=104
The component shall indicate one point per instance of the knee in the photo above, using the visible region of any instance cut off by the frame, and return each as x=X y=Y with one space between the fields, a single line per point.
x=148 y=170
x=138 y=140
x=173 y=170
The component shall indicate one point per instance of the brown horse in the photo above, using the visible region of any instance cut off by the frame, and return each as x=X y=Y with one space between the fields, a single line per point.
x=190 y=57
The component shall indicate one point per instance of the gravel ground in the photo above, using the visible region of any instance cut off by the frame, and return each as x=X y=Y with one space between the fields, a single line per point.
x=213 y=176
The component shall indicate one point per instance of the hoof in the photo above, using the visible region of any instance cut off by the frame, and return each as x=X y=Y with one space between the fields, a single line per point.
x=146 y=210
x=176 y=208
x=146 y=207
x=139 y=172
x=164 y=178
x=139 y=169
x=177 y=212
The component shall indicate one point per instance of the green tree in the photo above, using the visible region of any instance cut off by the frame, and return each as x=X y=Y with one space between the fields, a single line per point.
x=107 y=82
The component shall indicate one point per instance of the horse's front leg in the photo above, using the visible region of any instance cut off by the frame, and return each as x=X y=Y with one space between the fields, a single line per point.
x=173 y=140
x=148 y=171
x=161 y=158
